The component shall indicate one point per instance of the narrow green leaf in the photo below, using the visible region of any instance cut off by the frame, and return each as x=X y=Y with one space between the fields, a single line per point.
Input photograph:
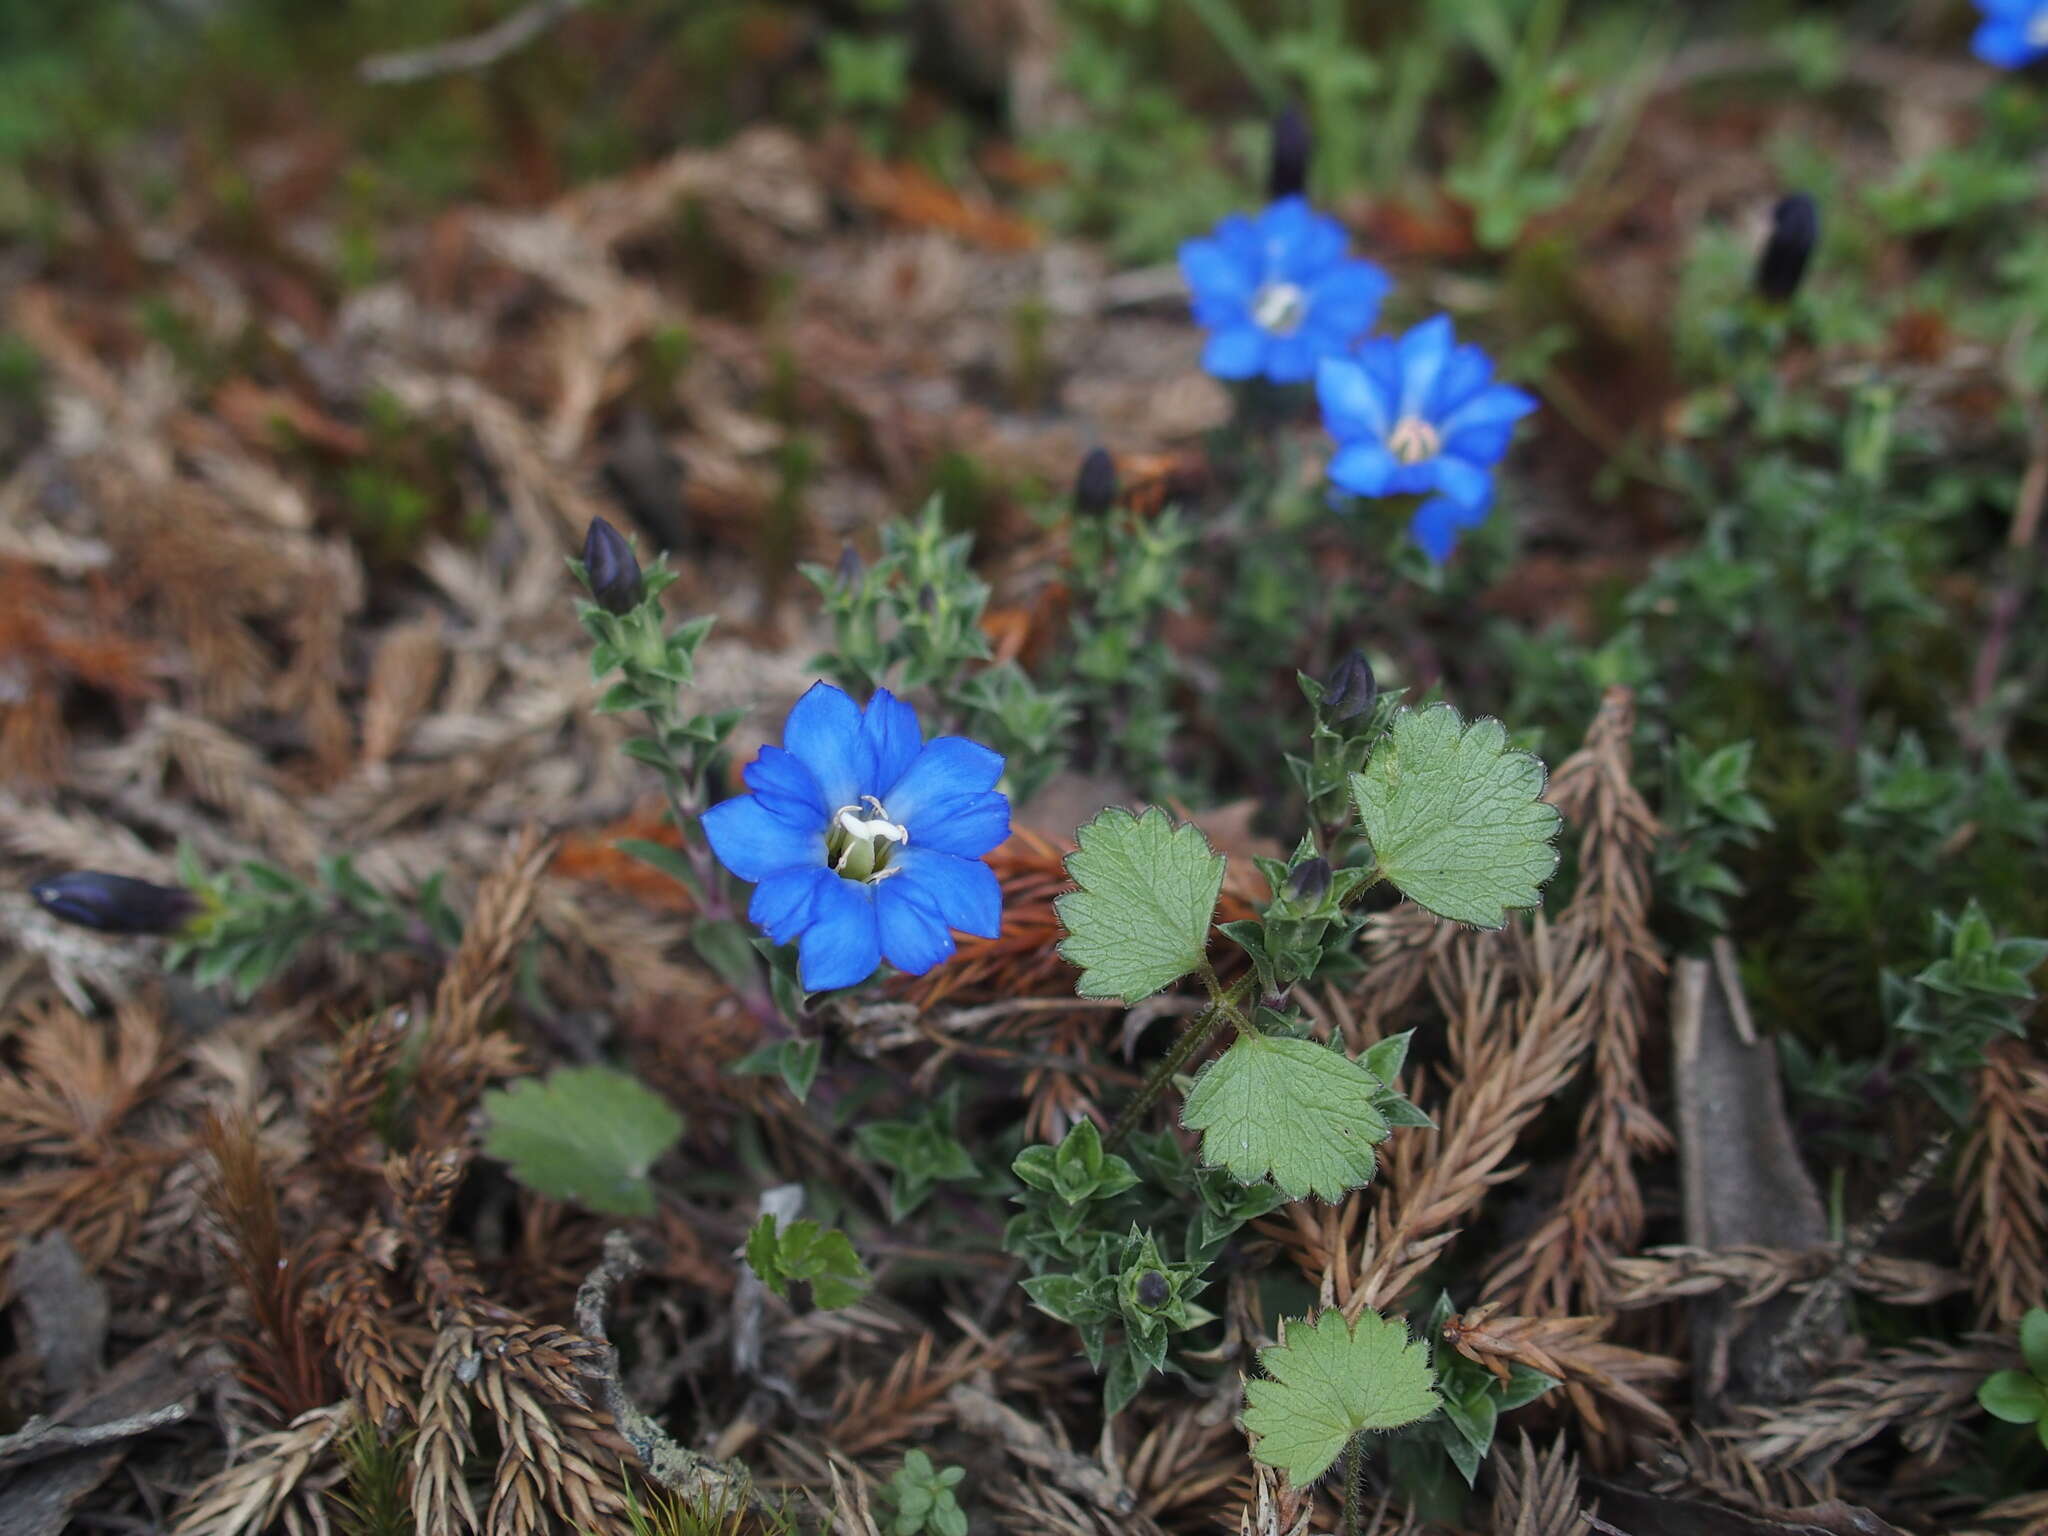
x=1331 y=1381
x=1141 y=918
x=1455 y=817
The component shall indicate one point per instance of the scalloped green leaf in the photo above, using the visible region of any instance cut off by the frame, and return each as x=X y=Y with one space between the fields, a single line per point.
x=1293 y=1110
x=1140 y=920
x=1456 y=817
x=1331 y=1381
x=587 y=1134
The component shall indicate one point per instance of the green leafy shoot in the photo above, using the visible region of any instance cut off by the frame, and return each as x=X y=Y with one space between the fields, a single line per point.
x=1292 y=1109
x=921 y=1496
x=2021 y=1396
x=1140 y=921
x=821 y=1257
x=588 y=1134
x=1454 y=816
x=1330 y=1382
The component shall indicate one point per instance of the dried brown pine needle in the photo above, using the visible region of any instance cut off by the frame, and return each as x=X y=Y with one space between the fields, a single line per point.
x=1563 y=1263
x=2002 y=1186
x=1536 y=1493
x=1916 y=1392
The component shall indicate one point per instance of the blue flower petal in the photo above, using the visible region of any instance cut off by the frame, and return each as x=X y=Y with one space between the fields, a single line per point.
x=1352 y=405
x=785 y=902
x=947 y=768
x=2006 y=43
x=1423 y=353
x=1300 y=243
x=1291 y=359
x=754 y=843
x=963 y=891
x=1235 y=353
x=1481 y=445
x=842 y=947
x=823 y=730
x=787 y=788
x=1346 y=300
x=914 y=936
x=1499 y=403
x=969 y=825
x=1213 y=272
x=1364 y=469
x=1435 y=527
x=1464 y=484
x=1466 y=372
x=889 y=741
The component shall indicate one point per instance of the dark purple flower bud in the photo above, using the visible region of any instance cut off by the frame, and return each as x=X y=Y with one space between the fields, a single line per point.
x=1350 y=690
x=927 y=600
x=611 y=569
x=1152 y=1290
x=1287 y=174
x=1310 y=881
x=114 y=903
x=850 y=567
x=1095 y=486
x=1795 y=230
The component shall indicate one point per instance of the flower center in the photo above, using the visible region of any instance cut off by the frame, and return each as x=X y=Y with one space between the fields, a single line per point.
x=1414 y=440
x=858 y=845
x=1280 y=308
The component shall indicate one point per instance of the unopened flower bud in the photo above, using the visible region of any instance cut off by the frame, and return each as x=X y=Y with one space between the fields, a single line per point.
x=611 y=569
x=927 y=600
x=1152 y=1290
x=850 y=566
x=1795 y=230
x=1310 y=881
x=92 y=898
x=1095 y=486
x=1350 y=690
x=1287 y=173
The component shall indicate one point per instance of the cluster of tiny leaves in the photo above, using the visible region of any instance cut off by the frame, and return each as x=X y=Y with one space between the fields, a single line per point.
x=586 y=1134
x=820 y=1257
x=921 y=1496
x=2021 y=1396
x=255 y=917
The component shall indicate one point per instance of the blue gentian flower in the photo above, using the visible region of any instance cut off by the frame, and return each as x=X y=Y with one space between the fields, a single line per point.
x=2013 y=34
x=1420 y=415
x=863 y=840
x=1277 y=292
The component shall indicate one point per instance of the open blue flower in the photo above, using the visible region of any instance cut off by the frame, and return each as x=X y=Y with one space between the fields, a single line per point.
x=863 y=840
x=2013 y=34
x=1420 y=415
x=1277 y=292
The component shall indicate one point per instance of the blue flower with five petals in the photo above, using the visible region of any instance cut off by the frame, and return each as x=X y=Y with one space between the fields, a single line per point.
x=1277 y=292
x=2013 y=34
x=1420 y=415
x=863 y=840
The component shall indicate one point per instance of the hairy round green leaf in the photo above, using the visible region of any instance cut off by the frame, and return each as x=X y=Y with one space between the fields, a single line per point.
x=1455 y=817
x=1331 y=1381
x=1293 y=1109
x=588 y=1134
x=1140 y=921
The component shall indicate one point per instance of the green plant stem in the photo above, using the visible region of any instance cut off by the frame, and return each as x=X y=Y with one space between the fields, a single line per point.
x=1354 y=1474
x=1195 y=1039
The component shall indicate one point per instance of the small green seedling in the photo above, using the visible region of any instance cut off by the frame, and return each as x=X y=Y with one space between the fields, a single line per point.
x=2021 y=1397
x=922 y=1496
